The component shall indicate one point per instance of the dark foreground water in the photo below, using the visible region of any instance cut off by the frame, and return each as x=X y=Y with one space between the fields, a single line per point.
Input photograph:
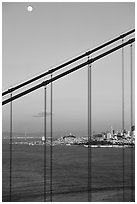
x=70 y=174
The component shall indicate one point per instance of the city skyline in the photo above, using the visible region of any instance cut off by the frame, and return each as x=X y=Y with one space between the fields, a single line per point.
x=29 y=47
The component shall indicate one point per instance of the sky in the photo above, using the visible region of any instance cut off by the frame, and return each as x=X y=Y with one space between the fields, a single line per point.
x=34 y=42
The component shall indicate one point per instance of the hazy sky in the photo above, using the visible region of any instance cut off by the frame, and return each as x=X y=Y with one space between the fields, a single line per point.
x=36 y=41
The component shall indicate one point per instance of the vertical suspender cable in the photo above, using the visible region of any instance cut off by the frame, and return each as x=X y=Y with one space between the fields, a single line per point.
x=123 y=153
x=132 y=153
x=45 y=128
x=10 y=148
x=89 y=132
x=51 y=147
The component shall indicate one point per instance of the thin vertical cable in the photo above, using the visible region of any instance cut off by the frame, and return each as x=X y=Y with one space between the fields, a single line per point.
x=131 y=111
x=51 y=147
x=45 y=129
x=89 y=132
x=10 y=149
x=123 y=153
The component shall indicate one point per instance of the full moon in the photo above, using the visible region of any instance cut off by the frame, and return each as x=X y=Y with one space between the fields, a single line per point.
x=29 y=8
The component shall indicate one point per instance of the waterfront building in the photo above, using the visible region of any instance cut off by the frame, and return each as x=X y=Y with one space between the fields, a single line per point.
x=43 y=138
x=109 y=136
x=69 y=138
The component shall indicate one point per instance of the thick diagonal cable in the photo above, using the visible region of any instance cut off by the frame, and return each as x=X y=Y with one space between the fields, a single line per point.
x=67 y=63
x=68 y=72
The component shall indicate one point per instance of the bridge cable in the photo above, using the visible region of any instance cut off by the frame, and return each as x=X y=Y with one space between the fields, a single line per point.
x=51 y=122
x=10 y=193
x=89 y=135
x=45 y=130
x=132 y=153
x=68 y=62
x=123 y=122
x=68 y=72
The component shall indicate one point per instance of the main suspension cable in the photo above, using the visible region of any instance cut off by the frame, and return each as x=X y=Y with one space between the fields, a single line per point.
x=67 y=63
x=68 y=71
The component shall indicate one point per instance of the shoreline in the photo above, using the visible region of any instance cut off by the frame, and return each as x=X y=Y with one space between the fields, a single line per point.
x=109 y=146
x=70 y=145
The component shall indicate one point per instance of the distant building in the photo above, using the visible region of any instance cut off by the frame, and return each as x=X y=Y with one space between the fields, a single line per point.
x=112 y=131
x=133 y=132
x=43 y=138
x=108 y=136
x=119 y=136
x=115 y=136
x=69 y=138
x=133 y=128
x=98 y=137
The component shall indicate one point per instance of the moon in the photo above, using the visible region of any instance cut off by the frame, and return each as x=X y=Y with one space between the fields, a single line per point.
x=29 y=8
